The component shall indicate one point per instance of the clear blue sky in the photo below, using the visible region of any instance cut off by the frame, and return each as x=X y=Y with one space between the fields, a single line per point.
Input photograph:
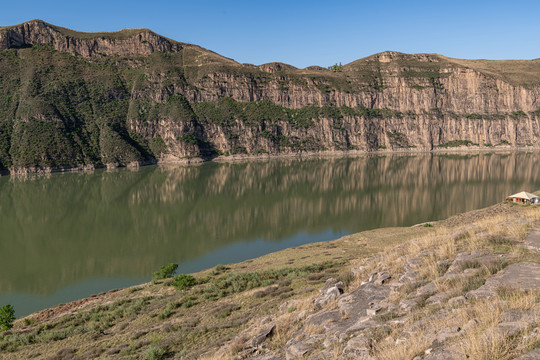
x=313 y=32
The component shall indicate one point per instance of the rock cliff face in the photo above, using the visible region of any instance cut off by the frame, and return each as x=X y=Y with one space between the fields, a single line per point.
x=82 y=99
x=137 y=42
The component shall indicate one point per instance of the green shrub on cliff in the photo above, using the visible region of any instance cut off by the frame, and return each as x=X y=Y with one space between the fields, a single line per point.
x=158 y=145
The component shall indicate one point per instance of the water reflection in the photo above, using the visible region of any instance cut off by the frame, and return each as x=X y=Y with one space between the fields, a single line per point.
x=63 y=229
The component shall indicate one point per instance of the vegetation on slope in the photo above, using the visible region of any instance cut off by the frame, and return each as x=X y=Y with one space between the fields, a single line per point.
x=217 y=313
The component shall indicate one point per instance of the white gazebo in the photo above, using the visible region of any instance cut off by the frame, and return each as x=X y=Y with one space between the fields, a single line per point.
x=523 y=197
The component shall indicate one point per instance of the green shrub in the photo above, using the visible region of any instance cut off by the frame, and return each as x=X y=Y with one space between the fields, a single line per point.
x=183 y=281
x=473 y=116
x=158 y=145
x=189 y=139
x=154 y=353
x=7 y=315
x=456 y=143
x=518 y=114
x=166 y=271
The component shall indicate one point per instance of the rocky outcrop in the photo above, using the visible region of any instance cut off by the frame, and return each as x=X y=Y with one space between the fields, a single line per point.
x=361 y=322
x=137 y=42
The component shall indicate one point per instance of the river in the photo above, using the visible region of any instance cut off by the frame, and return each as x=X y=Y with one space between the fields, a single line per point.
x=67 y=236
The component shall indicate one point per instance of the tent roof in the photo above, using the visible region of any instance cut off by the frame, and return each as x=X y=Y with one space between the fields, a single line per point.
x=524 y=195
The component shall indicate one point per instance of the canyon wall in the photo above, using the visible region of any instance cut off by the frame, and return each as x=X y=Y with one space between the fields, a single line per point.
x=94 y=99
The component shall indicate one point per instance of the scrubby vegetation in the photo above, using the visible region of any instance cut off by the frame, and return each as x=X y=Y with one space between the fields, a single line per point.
x=7 y=316
x=456 y=143
x=166 y=271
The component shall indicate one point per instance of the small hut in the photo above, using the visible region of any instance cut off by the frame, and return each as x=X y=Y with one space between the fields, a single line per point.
x=523 y=198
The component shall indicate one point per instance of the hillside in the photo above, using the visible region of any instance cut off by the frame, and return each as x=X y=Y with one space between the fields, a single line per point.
x=73 y=99
x=465 y=287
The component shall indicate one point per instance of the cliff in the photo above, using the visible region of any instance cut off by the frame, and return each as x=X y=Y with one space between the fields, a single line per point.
x=93 y=99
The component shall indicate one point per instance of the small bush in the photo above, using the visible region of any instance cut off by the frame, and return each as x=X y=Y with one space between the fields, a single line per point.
x=165 y=271
x=188 y=302
x=183 y=281
x=189 y=139
x=154 y=353
x=7 y=316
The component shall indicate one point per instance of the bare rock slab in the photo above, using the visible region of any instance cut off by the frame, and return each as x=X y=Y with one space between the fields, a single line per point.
x=532 y=241
x=533 y=355
x=523 y=276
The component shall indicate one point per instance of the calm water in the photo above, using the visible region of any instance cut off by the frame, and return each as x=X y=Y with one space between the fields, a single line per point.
x=66 y=236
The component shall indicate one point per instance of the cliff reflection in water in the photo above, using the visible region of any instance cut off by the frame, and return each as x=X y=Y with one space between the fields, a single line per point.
x=61 y=229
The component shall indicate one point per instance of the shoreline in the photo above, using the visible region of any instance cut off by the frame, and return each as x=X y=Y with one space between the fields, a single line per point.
x=482 y=212
x=322 y=299
x=172 y=160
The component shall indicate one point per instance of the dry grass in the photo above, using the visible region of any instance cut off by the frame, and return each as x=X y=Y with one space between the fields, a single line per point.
x=390 y=349
x=499 y=233
x=477 y=342
x=482 y=342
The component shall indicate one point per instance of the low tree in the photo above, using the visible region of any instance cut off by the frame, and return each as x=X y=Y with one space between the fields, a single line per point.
x=336 y=67
x=7 y=316
x=166 y=271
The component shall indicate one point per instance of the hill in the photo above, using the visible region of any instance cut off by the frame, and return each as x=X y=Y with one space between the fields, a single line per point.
x=82 y=100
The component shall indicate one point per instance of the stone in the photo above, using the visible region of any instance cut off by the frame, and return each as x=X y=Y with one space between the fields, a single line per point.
x=446 y=334
x=409 y=276
x=382 y=278
x=413 y=263
x=529 y=316
x=470 y=325
x=523 y=276
x=445 y=353
x=438 y=298
x=407 y=304
x=358 y=348
x=374 y=311
x=358 y=301
x=297 y=350
x=262 y=336
x=458 y=300
x=323 y=318
x=426 y=290
x=532 y=241
x=533 y=355
x=331 y=290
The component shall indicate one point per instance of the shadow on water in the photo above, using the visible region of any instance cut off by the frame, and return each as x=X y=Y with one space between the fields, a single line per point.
x=63 y=230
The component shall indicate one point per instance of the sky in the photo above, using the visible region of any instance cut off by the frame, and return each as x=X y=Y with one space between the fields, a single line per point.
x=304 y=33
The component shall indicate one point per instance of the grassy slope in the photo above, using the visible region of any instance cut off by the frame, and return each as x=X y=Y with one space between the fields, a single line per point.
x=132 y=321
x=155 y=320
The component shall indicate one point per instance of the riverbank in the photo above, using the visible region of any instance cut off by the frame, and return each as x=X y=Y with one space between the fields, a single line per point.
x=173 y=160
x=387 y=293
